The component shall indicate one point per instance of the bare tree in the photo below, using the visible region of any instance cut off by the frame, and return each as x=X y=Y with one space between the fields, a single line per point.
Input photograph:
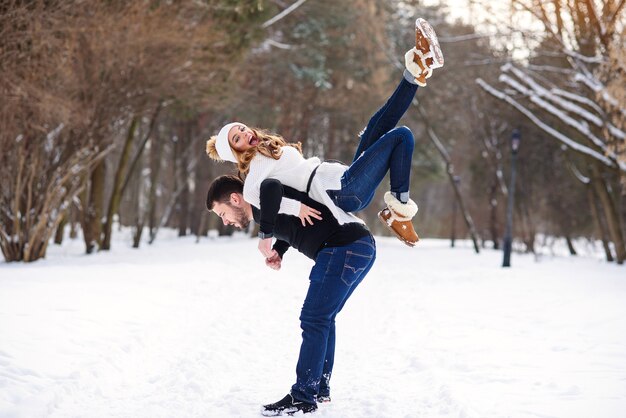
x=579 y=38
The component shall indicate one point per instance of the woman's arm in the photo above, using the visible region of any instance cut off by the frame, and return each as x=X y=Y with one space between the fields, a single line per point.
x=261 y=169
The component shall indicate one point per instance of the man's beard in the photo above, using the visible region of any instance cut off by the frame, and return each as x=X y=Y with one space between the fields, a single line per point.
x=241 y=218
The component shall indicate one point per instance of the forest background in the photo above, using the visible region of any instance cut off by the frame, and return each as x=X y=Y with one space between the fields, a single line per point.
x=105 y=107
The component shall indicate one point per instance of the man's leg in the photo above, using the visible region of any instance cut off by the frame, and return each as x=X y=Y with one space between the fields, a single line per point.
x=327 y=370
x=334 y=277
x=329 y=361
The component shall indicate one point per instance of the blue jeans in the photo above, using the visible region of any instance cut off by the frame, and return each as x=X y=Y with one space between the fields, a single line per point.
x=382 y=148
x=335 y=275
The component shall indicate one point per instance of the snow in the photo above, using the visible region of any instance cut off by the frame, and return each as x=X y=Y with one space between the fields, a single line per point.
x=179 y=329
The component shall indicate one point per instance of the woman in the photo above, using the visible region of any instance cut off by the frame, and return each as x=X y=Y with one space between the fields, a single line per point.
x=383 y=147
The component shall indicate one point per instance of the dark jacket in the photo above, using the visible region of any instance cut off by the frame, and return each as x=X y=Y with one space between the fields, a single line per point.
x=288 y=229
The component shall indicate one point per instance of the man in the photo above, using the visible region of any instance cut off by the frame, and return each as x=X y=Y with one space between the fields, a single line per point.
x=343 y=256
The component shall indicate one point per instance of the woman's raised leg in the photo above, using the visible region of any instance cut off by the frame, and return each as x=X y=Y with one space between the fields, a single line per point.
x=392 y=152
x=387 y=117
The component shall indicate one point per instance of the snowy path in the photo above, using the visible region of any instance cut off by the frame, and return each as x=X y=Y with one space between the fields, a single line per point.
x=206 y=330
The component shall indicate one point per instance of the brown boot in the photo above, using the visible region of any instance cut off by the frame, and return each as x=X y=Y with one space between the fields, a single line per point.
x=397 y=217
x=426 y=56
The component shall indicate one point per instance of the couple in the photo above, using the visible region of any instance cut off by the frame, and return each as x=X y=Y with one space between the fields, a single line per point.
x=306 y=204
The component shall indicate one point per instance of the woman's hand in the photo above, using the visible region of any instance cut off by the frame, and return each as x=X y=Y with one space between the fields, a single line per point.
x=306 y=213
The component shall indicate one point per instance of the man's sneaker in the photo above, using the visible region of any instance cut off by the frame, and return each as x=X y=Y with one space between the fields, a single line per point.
x=323 y=399
x=397 y=217
x=426 y=56
x=287 y=406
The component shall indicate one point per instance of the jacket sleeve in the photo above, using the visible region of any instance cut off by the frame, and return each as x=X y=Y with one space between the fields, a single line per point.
x=271 y=194
x=281 y=247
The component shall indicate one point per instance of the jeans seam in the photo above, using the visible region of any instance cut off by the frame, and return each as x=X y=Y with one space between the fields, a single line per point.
x=384 y=110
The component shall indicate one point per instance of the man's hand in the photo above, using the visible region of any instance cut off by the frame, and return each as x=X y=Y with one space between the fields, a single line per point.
x=306 y=213
x=274 y=262
x=265 y=246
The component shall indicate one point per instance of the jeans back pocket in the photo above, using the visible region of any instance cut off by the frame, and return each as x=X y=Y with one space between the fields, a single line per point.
x=354 y=266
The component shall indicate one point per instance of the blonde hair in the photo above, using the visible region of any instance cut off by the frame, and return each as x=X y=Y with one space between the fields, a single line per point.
x=269 y=145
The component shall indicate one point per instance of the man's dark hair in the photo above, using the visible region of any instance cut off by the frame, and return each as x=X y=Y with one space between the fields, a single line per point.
x=221 y=189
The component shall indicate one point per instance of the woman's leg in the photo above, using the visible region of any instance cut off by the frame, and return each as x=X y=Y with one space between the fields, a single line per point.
x=387 y=117
x=392 y=152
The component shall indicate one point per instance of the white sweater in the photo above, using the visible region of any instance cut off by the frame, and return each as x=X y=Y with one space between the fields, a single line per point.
x=293 y=170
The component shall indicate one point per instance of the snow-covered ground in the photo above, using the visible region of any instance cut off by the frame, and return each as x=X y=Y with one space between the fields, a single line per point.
x=186 y=329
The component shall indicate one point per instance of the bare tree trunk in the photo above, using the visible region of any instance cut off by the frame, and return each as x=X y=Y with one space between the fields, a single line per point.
x=600 y=223
x=450 y=170
x=570 y=245
x=58 y=236
x=155 y=168
x=182 y=207
x=493 y=215
x=139 y=219
x=610 y=214
x=92 y=203
x=116 y=195
x=73 y=221
x=142 y=145
x=203 y=228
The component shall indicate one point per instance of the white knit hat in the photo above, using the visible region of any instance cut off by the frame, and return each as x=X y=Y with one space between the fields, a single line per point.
x=222 y=146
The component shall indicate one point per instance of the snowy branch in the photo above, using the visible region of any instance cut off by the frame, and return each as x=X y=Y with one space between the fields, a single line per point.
x=554 y=95
x=553 y=132
x=282 y=14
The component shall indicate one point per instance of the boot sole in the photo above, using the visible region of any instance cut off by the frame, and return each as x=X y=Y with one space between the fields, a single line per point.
x=400 y=237
x=429 y=33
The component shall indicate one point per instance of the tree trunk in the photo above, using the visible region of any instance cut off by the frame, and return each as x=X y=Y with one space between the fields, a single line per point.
x=457 y=192
x=570 y=245
x=610 y=213
x=137 y=234
x=116 y=195
x=58 y=236
x=599 y=223
x=183 y=202
x=73 y=221
x=92 y=202
x=155 y=167
x=493 y=215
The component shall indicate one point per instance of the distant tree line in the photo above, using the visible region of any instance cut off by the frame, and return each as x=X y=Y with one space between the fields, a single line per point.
x=105 y=108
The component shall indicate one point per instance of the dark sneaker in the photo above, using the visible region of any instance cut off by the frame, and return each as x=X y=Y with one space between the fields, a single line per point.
x=323 y=399
x=287 y=406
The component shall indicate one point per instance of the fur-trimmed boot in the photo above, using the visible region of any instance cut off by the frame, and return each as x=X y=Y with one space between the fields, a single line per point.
x=426 y=56
x=397 y=216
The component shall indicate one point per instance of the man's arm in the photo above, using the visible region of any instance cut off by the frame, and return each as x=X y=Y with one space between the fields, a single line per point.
x=276 y=260
x=271 y=194
x=281 y=247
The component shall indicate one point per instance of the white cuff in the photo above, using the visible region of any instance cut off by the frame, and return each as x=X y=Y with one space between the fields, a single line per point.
x=290 y=207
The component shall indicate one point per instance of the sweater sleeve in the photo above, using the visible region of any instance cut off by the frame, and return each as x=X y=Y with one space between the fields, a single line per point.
x=281 y=247
x=271 y=194
x=261 y=169
x=290 y=207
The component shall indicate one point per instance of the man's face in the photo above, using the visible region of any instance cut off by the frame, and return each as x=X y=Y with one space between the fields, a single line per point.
x=232 y=213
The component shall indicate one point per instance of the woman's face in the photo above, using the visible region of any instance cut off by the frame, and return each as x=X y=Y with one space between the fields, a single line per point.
x=241 y=138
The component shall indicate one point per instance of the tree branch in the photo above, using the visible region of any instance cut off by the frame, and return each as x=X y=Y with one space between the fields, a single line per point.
x=282 y=14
